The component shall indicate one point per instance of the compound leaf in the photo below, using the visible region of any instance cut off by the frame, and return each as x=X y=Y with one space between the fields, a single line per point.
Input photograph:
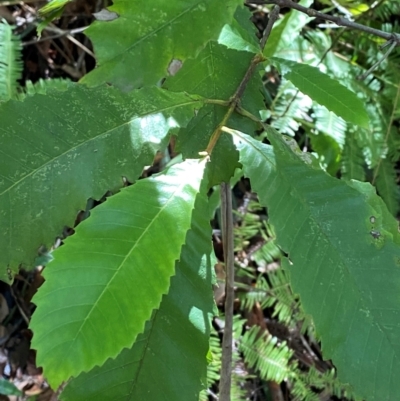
x=177 y=334
x=106 y=280
x=11 y=64
x=60 y=149
x=343 y=251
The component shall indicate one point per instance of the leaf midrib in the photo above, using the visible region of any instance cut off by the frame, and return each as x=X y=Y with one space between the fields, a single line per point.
x=178 y=189
x=92 y=139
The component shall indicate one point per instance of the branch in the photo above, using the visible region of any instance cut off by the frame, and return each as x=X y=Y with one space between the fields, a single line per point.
x=227 y=221
x=227 y=339
x=235 y=99
x=392 y=37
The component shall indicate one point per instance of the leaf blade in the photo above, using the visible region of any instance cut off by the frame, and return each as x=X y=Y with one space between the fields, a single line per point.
x=181 y=30
x=92 y=271
x=216 y=73
x=101 y=136
x=130 y=375
x=344 y=250
x=325 y=91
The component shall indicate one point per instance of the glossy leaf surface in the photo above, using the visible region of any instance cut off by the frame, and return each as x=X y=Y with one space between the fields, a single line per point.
x=60 y=149
x=106 y=280
x=174 y=345
x=344 y=257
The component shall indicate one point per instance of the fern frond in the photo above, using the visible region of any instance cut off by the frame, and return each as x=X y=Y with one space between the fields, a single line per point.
x=43 y=86
x=352 y=160
x=329 y=382
x=266 y=254
x=266 y=354
x=386 y=184
x=288 y=108
x=214 y=367
x=10 y=61
x=330 y=124
x=386 y=10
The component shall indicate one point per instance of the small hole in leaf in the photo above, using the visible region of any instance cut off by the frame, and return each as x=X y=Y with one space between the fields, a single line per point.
x=174 y=66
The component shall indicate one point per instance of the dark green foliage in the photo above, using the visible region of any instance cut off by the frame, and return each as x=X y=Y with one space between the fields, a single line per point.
x=129 y=295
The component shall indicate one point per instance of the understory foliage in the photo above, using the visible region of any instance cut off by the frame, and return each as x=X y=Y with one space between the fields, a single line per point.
x=128 y=309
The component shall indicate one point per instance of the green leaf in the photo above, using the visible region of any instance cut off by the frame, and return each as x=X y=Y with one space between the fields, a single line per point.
x=284 y=30
x=328 y=152
x=10 y=62
x=50 y=17
x=386 y=184
x=325 y=91
x=106 y=280
x=137 y=48
x=50 y=12
x=53 y=6
x=177 y=335
x=43 y=86
x=353 y=163
x=343 y=251
x=240 y=34
x=8 y=388
x=330 y=124
x=263 y=352
x=216 y=73
x=60 y=149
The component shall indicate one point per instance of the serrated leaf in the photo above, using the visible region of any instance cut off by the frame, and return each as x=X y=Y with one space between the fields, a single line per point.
x=60 y=149
x=152 y=38
x=240 y=34
x=43 y=86
x=344 y=252
x=106 y=280
x=284 y=30
x=325 y=91
x=177 y=335
x=216 y=73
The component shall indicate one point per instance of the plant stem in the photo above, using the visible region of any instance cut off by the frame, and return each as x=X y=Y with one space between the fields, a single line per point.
x=235 y=99
x=227 y=238
x=380 y=61
x=392 y=37
x=272 y=18
x=227 y=220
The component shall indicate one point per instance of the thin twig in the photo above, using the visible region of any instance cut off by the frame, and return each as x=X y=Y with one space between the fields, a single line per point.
x=227 y=223
x=227 y=237
x=272 y=18
x=235 y=99
x=337 y=20
x=59 y=33
x=375 y=65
